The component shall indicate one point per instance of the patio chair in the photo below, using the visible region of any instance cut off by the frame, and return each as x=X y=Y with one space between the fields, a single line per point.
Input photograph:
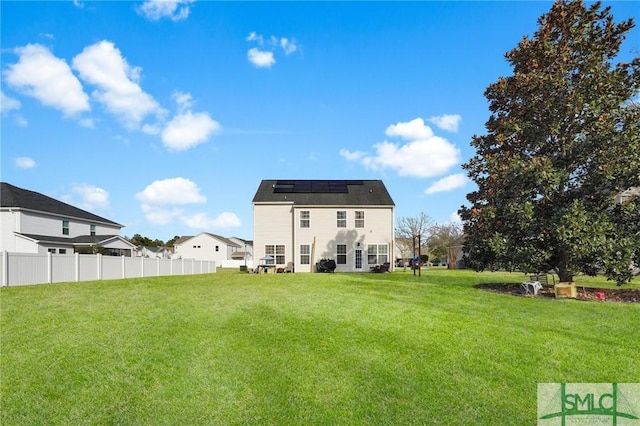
x=289 y=267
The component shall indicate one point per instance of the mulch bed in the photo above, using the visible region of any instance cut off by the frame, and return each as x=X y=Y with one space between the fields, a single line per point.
x=621 y=295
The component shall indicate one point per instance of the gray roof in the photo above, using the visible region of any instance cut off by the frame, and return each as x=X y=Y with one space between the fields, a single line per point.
x=324 y=192
x=12 y=196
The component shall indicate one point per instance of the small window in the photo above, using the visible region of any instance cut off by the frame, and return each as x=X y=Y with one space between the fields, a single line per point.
x=341 y=254
x=280 y=255
x=51 y=250
x=217 y=248
x=341 y=217
x=269 y=250
x=304 y=218
x=62 y=251
x=65 y=227
x=360 y=219
x=305 y=254
x=92 y=230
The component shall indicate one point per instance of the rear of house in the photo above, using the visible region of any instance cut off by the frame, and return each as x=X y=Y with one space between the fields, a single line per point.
x=304 y=221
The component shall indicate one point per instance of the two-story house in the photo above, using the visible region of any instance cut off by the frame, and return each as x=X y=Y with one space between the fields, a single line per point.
x=204 y=246
x=31 y=222
x=304 y=221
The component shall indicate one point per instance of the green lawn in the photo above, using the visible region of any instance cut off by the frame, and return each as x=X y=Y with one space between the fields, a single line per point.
x=304 y=349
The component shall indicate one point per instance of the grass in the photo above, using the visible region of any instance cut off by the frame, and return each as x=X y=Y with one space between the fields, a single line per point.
x=234 y=348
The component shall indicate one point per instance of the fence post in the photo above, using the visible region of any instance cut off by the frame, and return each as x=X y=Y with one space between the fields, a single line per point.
x=99 y=266
x=77 y=255
x=49 y=267
x=124 y=275
x=5 y=268
x=142 y=266
x=157 y=266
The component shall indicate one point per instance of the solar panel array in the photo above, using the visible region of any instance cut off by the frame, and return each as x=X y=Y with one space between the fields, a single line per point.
x=314 y=186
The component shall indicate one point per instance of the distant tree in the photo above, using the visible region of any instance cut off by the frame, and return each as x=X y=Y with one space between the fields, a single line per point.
x=171 y=241
x=446 y=240
x=139 y=240
x=412 y=231
x=563 y=140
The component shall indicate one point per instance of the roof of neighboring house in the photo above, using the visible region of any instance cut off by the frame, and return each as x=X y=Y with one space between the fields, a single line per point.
x=224 y=240
x=324 y=192
x=80 y=240
x=12 y=196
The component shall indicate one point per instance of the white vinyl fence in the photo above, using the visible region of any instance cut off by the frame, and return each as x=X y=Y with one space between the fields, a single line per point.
x=26 y=268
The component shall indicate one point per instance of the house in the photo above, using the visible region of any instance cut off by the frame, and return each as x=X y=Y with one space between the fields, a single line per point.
x=304 y=221
x=31 y=222
x=204 y=246
x=244 y=251
x=152 y=252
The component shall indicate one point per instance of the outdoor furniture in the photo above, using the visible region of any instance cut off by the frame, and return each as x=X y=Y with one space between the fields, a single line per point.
x=530 y=288
x=289 y=267
x=326 y=265
x=543 y=279
x=380 y=268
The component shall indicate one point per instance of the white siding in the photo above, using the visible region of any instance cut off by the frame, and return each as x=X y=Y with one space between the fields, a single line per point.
x=280 y=224
x=203 y=247
x=39 y=224
x=9 y=222
x=272 y=224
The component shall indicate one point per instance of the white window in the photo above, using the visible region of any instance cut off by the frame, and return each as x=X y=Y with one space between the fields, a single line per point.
x=92 y=230
x=276 y=252
x=377 y=254
x=305 y=254
x=65 y=227
x=341 y=254
x=341 y=217
x=359 y=219
x=62 y=251
x=280 y=255
x=304 y=218
x=52 y=250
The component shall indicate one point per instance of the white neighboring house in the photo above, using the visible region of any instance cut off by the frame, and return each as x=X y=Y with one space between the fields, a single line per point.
x=244 y=251
x=31 y=222
x=204 y=246
x=304 y=221
x=152 y=252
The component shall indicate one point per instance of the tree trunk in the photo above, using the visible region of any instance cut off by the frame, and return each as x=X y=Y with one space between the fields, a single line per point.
x=565 y=275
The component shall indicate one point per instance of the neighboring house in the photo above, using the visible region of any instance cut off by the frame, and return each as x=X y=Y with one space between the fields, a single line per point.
x=31 y=222
x=304 y=221
x=244 y=250
x=153 y=252
x=204 y=246
x=628 y=195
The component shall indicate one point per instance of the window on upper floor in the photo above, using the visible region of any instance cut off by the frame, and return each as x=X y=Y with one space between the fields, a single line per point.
x=359 y=219
x=92 y=230
x=217 y=248
x=341 y=218
x=305 y=218
x=65 y=227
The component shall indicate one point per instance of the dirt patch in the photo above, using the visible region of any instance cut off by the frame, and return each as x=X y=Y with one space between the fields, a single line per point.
x=621 y=295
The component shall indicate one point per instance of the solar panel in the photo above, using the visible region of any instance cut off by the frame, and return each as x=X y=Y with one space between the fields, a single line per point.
x=314 y=186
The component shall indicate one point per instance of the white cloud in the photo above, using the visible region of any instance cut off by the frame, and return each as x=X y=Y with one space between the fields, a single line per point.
x=224 y=220
x=171 y=191
x=255 y=37
x=260 y=58
x=187 y=130
x=24 y=163
x=176 y=10
x=160 y=216
x=448 y=183
x=184 y=100
x=8 y=104
x=48 y=79
x=91 y=197
x=411 y=130
x=289 y=46
x=102 y=65
x=455 y=218
x=425 y=155
x=351 y=156
x=447 y=122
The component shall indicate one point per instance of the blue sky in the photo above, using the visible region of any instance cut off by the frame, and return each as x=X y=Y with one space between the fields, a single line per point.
x=165 y=116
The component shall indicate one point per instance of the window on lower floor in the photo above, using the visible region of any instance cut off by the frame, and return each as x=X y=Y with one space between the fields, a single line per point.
x=51 y=250
x=341 y=254
x=377 y=254
x=276 y=252
x=305 y=254
x=62 y=251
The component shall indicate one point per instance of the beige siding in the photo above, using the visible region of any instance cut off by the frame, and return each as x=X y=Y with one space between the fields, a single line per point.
x=272 y=224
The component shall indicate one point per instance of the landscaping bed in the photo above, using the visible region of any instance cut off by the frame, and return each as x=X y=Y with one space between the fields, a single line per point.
x=583 y=293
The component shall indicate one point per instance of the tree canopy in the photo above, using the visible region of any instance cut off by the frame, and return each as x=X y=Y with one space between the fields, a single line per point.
x=562 y=142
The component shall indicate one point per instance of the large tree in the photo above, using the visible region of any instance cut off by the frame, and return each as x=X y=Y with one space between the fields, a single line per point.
x=411 y=232
x=446 y=240
x=563 y=140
